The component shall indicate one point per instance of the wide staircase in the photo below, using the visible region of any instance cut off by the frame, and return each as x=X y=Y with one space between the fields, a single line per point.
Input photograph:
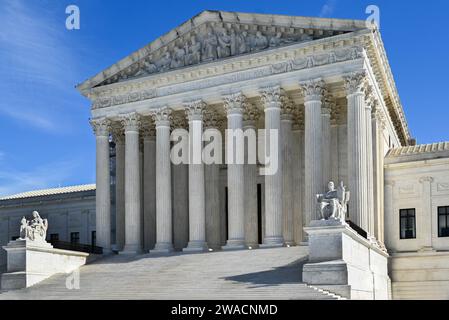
x=246 y=274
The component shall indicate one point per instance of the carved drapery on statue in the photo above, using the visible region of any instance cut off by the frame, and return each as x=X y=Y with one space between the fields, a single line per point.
x=34 y=229
x=333 y=203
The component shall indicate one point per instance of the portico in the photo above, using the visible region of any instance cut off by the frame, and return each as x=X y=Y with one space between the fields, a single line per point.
x=315 y=86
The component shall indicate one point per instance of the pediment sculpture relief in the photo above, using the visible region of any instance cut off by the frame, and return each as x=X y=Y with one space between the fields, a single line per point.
x=209 y=44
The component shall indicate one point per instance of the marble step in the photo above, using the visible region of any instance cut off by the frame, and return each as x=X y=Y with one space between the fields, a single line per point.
x=229 y=275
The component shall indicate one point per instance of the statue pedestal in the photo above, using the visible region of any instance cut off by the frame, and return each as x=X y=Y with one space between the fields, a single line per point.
x=29 y=262
x=343 y=262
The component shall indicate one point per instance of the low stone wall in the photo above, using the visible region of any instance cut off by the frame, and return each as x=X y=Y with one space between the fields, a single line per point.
x=420 y=275
x=343 y=262
x=29 y=262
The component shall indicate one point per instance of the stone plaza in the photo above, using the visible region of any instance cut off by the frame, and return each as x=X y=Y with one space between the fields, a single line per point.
x=325 y=86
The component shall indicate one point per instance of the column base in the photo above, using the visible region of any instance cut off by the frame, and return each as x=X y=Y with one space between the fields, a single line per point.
x=235 y=244
x=196 y=246
x=162 y=247
x=272 y=242
x=131 y=249
x=251 y=246
x=290 y=243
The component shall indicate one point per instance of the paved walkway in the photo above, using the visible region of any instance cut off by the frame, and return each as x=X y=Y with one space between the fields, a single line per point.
x=246 y=274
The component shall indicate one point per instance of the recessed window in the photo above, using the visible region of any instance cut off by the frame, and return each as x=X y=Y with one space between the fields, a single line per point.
x=443 y=221
x=54 y=237
x=94 y=238
x=14 y=238
x=74 y=237
x=407 y=224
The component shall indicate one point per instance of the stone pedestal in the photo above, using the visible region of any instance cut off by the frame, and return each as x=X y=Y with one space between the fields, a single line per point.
x=30 y=262
x=343 y=262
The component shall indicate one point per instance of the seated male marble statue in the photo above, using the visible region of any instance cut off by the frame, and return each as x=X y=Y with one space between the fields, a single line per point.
x=333 y=203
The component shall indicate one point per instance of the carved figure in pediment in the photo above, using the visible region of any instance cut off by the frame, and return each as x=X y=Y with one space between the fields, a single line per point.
x=260 y=41
x=241 y=42
x=164 y=62
x=224 y=45
x=178 y=57
x=276 y=40
x=193 y=52
x=210 y=43
x=146 y=68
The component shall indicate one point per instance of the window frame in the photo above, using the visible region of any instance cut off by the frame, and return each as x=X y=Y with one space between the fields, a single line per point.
x=77 y=236
x=407 y=211
x=446 y=214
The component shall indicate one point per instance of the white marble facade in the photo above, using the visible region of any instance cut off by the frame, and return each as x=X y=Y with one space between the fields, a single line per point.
x=321 y=83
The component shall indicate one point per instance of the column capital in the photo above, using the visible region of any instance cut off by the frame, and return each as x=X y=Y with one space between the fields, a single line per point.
x=162 y=116
x=251 y=113
x=378 y=114
x=271 y=97
x=179 y=121
x=298 y=119
x=131 y=122
x=234 y=103
x=313 y=90
x=194 y=109
x=212 y=120
x=118 y=134
x=148 y=128
x=287 y=108
x=101 y=126
x=355 y=82
x=329 y=105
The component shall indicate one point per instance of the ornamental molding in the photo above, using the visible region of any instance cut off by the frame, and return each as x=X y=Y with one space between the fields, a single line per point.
x=356 y=82
x=162 y=116
x=148 y=127
x=426 y=179
x=118 y=132
x=134 y=91
x=251 y=113
x=271 y=97
x=212 y=120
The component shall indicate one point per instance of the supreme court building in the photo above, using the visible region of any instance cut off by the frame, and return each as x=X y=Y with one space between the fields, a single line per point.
x=325 y=85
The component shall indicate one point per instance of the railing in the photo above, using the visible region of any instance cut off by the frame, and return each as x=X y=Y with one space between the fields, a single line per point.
x=76 y=247
x=357 y=229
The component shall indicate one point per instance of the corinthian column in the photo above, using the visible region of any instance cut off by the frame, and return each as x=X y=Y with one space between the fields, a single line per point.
x=197 y=207
x=313 y=95
x=236 y=205
x=212 y=183
x=326 y=140
x=119 y=139
x=250 y=177
x=298 y=174
x=164 y=237
x=357 y=157
x=271 y=99
x=133 y=223
x=103 y=192
x=370 y=160
x=287 y=170
x=149 y=185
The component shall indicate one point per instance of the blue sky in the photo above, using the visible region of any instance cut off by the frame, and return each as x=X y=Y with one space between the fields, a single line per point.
x=45 y=138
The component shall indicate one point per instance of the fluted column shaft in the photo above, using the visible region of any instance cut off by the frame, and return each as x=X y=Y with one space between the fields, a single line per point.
x=149 y=187
x=287 y=188
x=164 y=227
x=357 y=150
x=133 y=219
x=119 y=190
x=250 y=194
x=298 y=183
x=236 y=204
x=369 y=168
x=326 y=145
x=271 y=99
x=103 y=193
x=313 y=94
x=197 y=205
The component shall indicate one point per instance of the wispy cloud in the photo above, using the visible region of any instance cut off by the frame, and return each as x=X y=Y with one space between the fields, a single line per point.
x=328 y=8
x=42 y=177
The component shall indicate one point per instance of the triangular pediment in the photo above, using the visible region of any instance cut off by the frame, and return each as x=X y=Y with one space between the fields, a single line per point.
x=215 y=35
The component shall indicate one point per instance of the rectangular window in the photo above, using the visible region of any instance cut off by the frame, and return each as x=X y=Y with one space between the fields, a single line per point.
x=74 y=237
x=54 y=237
x=407 y=224
x=443 y=221
x=14 y=238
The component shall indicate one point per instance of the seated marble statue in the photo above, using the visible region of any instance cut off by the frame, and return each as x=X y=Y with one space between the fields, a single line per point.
x=333 y=203
x=34 y=229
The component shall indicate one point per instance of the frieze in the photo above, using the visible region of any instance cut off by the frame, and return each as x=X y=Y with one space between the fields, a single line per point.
x=338 y=55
